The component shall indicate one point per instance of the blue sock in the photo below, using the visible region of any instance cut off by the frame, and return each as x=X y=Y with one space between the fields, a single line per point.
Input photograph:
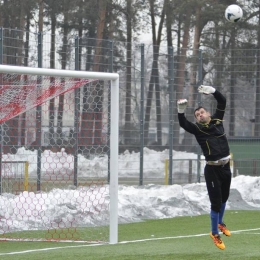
x=214 y=221
x=221 y=213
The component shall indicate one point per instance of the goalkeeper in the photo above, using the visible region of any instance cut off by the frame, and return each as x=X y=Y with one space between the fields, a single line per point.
x=210 y=135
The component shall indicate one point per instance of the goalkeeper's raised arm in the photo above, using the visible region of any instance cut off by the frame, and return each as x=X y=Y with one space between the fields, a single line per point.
x=221 y=100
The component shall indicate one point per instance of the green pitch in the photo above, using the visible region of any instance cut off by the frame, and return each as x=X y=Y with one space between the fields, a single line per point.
x=177 y=238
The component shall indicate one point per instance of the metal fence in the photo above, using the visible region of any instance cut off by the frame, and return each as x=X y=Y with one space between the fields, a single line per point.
x=14 y=176
x=150 y=83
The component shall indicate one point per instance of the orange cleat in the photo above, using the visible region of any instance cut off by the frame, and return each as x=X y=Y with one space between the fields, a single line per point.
x=217 y=241
x=222 y=227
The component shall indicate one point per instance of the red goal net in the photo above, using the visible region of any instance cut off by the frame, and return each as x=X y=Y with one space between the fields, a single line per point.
x=20 y=93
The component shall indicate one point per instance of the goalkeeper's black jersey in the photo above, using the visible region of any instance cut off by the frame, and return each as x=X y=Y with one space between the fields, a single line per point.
x=211 y=137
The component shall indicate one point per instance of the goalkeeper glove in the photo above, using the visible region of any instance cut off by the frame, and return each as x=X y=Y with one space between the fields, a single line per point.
x=206 y=89
x=181 y=105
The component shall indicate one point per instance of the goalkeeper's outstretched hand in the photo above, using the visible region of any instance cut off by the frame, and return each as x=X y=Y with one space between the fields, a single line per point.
x=181 y=105
x=206 y=89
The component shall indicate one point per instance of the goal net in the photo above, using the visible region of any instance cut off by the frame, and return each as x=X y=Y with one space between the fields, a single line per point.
x=59 y=155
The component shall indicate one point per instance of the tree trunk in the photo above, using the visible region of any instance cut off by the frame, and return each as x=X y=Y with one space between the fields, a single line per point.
x=52 y=66
x=63 y=66
x=257 y=94
x=20 y=35
x=193 y=78
x=87 y=117
x=219 y=59
x=154 y=79
x=38 y=124
x=94 y=115
x=41 y=4
x=98 y=99
x=26 y=55
x=180 y=75
x=128 y=113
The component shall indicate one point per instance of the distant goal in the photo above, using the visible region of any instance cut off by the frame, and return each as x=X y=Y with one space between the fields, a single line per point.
x=60 y=122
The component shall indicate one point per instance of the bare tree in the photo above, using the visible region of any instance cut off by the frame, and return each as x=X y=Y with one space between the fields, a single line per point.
x=127 y=132
x=92 y=118
x=53 y=12
x=154 y=78
x=66 y=8
x=180 y=67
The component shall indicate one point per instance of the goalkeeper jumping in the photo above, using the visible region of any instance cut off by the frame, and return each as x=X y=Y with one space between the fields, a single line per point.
x=211 y=137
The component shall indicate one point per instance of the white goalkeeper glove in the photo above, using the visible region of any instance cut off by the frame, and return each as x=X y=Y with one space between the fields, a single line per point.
x=181 y=105
x=206 y=89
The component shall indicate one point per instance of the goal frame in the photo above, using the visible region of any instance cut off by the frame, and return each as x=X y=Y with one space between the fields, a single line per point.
x=114 y=127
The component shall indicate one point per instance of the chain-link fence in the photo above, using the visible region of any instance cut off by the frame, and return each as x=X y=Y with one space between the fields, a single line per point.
x=62 y=146
x=152 y=78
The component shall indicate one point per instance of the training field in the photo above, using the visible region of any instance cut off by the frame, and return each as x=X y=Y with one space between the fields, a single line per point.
x=176 y=238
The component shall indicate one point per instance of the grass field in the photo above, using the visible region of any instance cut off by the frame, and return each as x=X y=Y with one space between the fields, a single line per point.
x=176 y=238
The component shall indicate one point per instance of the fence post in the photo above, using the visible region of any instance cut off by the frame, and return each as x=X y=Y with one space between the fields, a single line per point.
x=26 y=176
x=254 y=167
x=1 y=126
x=76 y=116
x=110 y=69
x=199 y=103
x=166 y=171
x=142 y=118
x=1 y=44
x=39 y=117
x=171 y=119
x=190 y=171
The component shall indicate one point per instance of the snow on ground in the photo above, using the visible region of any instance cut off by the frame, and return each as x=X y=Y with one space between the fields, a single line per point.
x=30 y=210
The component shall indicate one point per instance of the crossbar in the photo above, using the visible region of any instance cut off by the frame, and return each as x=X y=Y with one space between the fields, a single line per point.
x=59 y=73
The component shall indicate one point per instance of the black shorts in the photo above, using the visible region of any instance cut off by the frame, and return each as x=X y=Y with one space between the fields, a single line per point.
x=218 y=181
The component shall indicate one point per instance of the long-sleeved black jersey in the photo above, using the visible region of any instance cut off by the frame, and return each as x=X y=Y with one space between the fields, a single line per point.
x=211 y=137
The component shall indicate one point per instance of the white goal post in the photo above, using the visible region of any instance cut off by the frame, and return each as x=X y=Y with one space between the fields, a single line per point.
x=7 y=113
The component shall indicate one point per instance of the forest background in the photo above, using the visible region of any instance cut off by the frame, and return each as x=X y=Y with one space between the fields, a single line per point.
x=189 y=28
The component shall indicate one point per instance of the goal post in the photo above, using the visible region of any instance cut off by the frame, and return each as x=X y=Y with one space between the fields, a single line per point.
x=20 y=92
x=114 y=161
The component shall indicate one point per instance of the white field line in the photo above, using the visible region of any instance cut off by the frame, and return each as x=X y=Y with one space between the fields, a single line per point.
x=122 y=242
x=187 y=236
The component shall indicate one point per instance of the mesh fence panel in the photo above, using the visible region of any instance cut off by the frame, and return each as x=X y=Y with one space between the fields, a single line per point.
x=233 y=71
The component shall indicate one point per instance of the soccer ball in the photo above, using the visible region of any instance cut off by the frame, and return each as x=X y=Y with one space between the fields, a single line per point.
x=233 y=13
